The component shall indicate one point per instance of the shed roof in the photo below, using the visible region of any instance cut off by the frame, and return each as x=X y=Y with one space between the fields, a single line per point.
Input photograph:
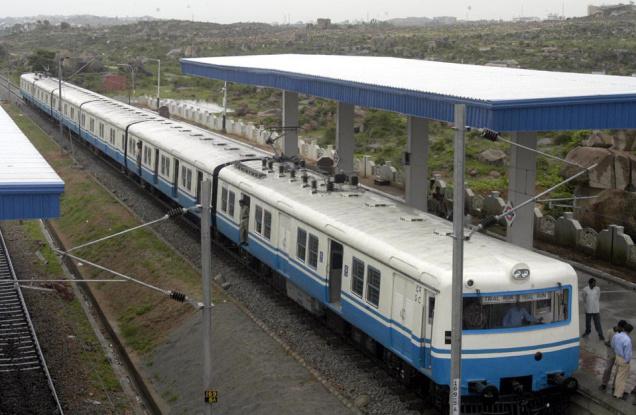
x=505 y=99
x=29 y=187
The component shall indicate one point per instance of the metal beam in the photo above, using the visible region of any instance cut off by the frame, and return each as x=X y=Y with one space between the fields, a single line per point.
x=416 y=170
x=206 y=273
x=290 y=119
x=344 y=137
x=458 y=261
x=521 y=187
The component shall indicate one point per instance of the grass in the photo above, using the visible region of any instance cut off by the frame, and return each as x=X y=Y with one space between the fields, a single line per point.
x=143 y=317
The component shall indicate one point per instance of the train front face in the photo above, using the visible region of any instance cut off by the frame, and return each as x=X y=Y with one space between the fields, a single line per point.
x=520 y=330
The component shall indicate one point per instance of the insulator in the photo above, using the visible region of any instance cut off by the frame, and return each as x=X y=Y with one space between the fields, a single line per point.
x=490 y=134
x=173 y=213
x=177 y=296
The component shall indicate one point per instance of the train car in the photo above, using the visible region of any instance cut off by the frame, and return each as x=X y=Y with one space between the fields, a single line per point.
x=381 y=267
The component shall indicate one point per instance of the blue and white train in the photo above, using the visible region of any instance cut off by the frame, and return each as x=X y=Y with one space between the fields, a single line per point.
x=378 y=265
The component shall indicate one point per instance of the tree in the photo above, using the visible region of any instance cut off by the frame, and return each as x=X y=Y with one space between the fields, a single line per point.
x=4 y=53
x=42 y=60
x=64 y=26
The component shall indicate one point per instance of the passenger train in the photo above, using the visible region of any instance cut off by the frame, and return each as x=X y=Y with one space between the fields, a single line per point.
x=380 y=267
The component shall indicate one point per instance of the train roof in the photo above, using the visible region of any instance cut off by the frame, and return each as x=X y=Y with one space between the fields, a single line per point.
x=411 y=241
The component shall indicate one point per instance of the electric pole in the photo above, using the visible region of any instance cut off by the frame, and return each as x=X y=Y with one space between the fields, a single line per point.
x=458 y=262
x=206 y=271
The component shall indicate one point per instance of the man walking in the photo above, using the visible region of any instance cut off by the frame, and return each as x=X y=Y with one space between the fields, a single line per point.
x=611 y=356
x=622 y=345
x=591 y=302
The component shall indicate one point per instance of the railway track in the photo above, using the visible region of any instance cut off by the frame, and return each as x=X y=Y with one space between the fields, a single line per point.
x=25 y=382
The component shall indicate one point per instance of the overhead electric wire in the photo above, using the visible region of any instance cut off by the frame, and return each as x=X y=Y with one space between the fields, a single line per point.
x=175 y=295
x=170 y=214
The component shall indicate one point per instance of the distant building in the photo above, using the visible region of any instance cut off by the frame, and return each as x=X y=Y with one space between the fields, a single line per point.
x=323 y=23
x=445 y=20
x=525 y=19
x=113 y=82
x=610 y=10
x=554 y=16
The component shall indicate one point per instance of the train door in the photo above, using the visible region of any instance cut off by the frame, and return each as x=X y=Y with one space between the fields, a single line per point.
x=284 y=241
x=335 y=271
x=402 y=313
x=156 y=172
x=175 y=184
x=428 y=314
x=199 y=181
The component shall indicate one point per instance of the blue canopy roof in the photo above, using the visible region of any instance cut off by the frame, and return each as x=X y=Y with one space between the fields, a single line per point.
x=29 y=187
x=502 y=99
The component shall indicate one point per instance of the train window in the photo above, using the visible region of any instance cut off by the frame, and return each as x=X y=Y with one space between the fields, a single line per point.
x=101 y=130
x=357 y=276
x=431 y=309
x=83 y=120
x=517 y=310
x=147 y=155
x=65 y=109
x=72 y=112
x=258 y=219
x=165 y=169
x=92 y=125
x=312 y=258
x=123 y=140
x=301 y=244
x=224 y=199
x=267 y=224
x=186 y=177
x=373 y=285
x=112 y=136
x=230 y=203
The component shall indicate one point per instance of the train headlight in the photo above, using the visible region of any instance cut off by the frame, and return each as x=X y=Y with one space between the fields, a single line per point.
x=520 y=272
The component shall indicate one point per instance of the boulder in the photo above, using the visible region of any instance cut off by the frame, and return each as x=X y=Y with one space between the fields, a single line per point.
x=609 y=207
x=615 y=170
x=492 y=156
x=624 y=141
x=598 y=139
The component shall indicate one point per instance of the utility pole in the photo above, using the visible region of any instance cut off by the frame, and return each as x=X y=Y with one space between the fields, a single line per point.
x=458 y=262
x=158 y=79
x=59 y=106
x=206 y=271
x=224 y=104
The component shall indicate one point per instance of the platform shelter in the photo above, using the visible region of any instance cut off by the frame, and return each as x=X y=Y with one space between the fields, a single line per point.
x=517 y=101
x=29 y=187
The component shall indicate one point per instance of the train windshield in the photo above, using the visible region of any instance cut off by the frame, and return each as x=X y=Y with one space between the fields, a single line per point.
x=486 y=312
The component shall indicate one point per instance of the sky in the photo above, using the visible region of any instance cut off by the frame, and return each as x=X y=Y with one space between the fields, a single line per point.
x=284 y=11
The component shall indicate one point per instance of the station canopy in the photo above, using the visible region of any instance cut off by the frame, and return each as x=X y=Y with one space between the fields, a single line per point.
x=502 y=99
x=29 y=187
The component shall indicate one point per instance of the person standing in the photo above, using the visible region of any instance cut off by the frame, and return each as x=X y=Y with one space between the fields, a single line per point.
x=622 y=345
x=611 y=356
x=591 y=302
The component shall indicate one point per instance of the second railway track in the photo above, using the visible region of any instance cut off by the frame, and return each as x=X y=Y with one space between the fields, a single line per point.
x=25 y=383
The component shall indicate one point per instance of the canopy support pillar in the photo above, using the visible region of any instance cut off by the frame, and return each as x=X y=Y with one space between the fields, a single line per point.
x=344 y=137
x=416 y=163
x=290 y=124
x=521 y=187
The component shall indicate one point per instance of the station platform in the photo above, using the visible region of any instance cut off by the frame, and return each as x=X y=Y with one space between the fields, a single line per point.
x=617 y=303
x=29 y=187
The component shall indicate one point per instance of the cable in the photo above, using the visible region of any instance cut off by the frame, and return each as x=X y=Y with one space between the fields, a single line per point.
x=175 y=295
x=496 y=136
x=171 y=214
